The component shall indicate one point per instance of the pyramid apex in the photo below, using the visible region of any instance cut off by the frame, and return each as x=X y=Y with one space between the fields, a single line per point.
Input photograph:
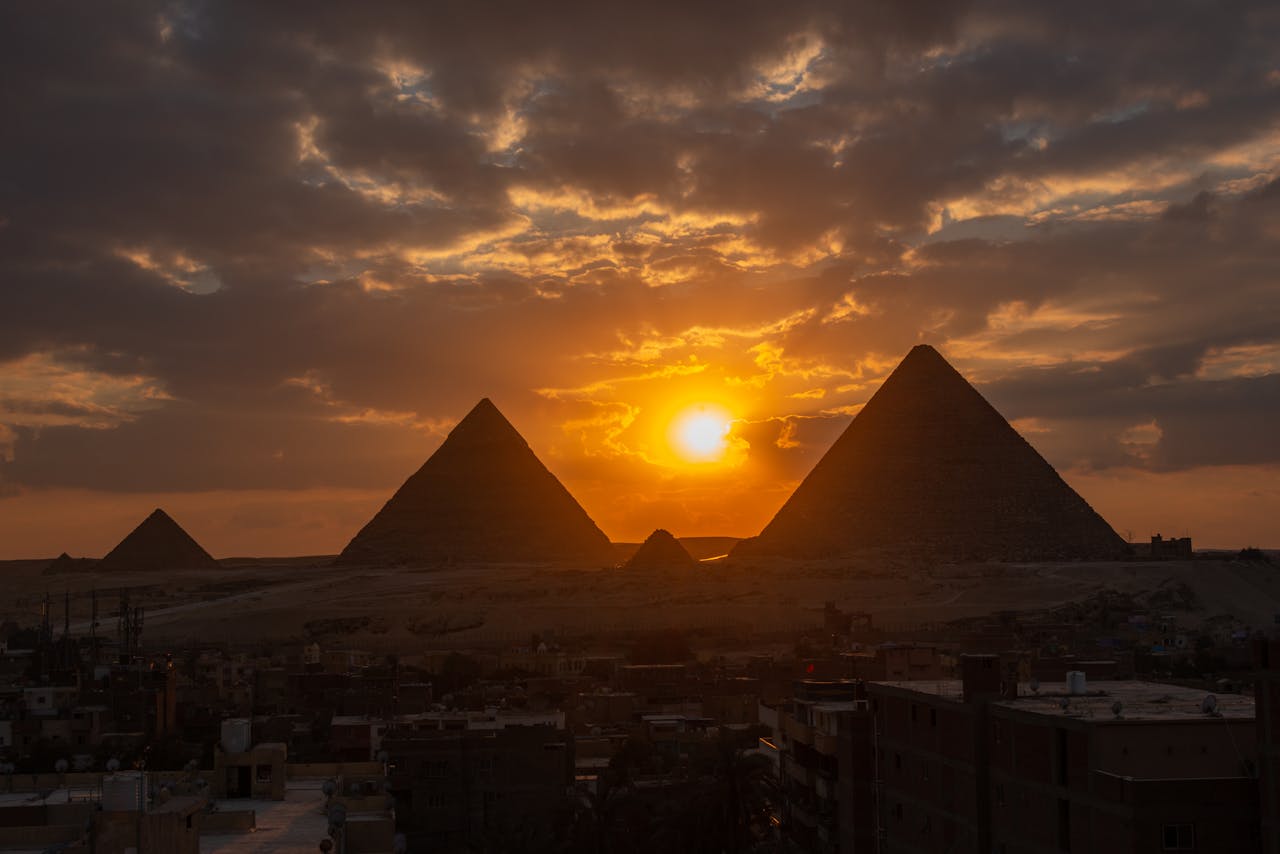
x=924 y=351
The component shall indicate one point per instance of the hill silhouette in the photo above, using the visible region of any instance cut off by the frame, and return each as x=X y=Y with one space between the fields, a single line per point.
x=931 y=468
x=159 y=543
x=660 y=550
x=482 y=496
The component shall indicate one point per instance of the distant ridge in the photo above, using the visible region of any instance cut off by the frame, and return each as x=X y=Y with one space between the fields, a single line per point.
x=929 y=467
x=483 y=496
x=159 y=543
x=661 y=551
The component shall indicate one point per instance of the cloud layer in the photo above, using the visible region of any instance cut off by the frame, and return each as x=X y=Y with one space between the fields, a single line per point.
x=257 y=252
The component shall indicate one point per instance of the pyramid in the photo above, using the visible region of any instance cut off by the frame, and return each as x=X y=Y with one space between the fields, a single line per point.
x=66 y=563
x=929 y=468
x=661 y=551
x=159 y=543
x=482 y=496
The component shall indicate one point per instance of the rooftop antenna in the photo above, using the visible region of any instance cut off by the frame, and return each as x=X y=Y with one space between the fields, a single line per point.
x=1034 y=685
x=1209 y=705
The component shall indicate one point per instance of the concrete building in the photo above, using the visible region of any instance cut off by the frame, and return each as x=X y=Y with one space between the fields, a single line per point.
x=455 y=788
x=1267 y=699
x=822 y=740
x=986 y=764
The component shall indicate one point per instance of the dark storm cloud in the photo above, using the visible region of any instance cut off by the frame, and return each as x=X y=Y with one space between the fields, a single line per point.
x=401 y=208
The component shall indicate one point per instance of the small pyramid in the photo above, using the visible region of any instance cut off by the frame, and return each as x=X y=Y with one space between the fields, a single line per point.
x=482 y=496
x=929 y=467
x=661 y=551
x=62 y=563
x=159 y=543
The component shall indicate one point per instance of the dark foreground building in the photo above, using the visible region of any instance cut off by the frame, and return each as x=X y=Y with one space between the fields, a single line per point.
x=986 y=764
x=462 y=790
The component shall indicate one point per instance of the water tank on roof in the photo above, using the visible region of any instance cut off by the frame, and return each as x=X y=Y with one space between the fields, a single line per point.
x=236 y=735
x=1076 y=682
x=125 y=791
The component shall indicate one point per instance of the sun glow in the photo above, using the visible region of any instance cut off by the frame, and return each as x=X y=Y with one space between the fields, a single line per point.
x=700 y=434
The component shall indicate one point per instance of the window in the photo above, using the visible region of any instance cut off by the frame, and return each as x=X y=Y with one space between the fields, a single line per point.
x=897 y=761
x=914 y=710
x=1179 y=837
x=999 y=795
x=933 y=717
x=264 y=773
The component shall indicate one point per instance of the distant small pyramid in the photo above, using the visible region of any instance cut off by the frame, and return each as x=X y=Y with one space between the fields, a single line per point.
x=661 y=551
x=929 y=467
x=64 y=563
x=482 y=496
x=159 y=543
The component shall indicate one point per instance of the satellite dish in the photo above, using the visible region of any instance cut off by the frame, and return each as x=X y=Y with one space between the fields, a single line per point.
x=328 y=787
x=113 y=764
x=1035 y=685
x=400 y=845
x=1116 y=708
x=61 y=766
x=1064 y=703
x=1209 y=705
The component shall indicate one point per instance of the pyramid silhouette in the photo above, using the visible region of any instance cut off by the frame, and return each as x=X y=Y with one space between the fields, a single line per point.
x=482 y=496
x=661 y=551
x=159 y=543
x=928 y=467
x=66 y=563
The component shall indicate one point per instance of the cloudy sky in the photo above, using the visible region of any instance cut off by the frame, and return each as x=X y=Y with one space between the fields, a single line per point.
x=255 y=260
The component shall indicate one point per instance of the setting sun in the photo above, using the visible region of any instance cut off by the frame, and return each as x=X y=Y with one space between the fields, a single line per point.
x=700 y=434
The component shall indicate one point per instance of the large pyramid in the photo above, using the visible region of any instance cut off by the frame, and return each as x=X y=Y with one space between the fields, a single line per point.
x=929 y=468
x=482 y=496
x=661 y=551
x=159 y=543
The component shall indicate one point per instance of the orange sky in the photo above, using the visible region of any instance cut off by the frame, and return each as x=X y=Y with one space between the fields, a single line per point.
x=255 y=267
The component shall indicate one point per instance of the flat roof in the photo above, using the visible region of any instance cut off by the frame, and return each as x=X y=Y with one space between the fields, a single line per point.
x=1139 y=700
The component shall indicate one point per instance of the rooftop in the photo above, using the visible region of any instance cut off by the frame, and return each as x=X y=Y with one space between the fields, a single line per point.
x=1139 y=700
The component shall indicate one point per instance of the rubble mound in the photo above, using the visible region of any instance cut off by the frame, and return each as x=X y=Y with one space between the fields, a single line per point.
x=483 y=496
x=929 y=467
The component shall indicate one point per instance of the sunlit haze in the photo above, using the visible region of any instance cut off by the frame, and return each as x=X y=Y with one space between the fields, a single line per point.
x=701 y=434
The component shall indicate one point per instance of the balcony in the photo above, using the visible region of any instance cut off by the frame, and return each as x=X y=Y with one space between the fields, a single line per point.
x=797 y=731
